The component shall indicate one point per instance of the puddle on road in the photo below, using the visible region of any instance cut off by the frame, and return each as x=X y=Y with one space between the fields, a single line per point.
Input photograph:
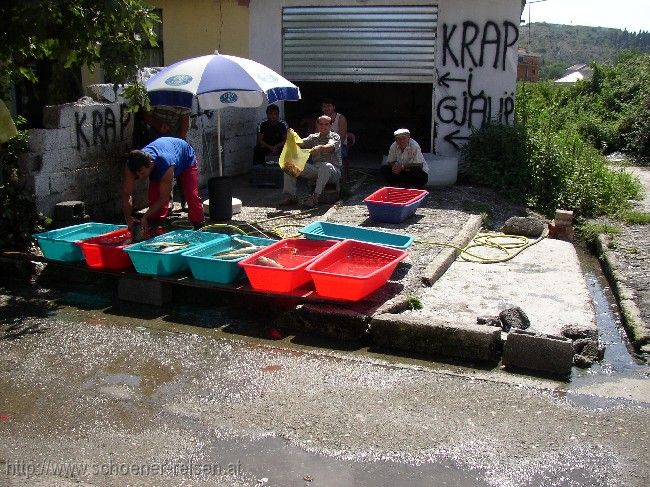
x=284 y=464
x=290 y=463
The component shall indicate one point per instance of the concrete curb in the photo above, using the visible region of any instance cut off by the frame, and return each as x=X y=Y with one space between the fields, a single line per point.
x=326 y=320
x=639 y=330
x=470 y=342
x=448 y=255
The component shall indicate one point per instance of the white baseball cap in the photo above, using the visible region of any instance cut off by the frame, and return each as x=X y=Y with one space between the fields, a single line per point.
x=400 y=132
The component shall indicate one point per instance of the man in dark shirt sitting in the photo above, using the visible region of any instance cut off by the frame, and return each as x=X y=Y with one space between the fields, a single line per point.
x=271 y=135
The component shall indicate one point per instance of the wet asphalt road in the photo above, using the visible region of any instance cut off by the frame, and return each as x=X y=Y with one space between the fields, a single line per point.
x=93 y=392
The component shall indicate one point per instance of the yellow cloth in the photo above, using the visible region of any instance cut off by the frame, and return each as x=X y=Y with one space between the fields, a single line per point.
x=293 y=158
x=7 y=127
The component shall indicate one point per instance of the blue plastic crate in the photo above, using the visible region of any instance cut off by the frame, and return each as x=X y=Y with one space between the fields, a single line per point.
x=205 y=266
x=60 y=244
x=267 y=175
x=327 y=231
x=148 y=260
x=394 y=205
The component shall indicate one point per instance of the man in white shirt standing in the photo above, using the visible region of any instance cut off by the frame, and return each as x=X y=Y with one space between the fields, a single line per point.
x=405 y=165
x=339 y=123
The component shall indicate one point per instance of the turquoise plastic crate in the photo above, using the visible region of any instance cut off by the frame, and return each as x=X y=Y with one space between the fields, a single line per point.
x=206 y=267
x=338 y=231
x=147 y=260
x=60 y=244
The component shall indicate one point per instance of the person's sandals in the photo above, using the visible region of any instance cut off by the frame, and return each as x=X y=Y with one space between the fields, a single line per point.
x=288 y=200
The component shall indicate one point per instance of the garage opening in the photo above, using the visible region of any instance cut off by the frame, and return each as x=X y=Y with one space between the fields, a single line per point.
x=374 y=111
x=376 y=62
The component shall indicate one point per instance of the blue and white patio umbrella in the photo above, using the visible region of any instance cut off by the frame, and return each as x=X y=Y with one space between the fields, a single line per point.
x=219 y=81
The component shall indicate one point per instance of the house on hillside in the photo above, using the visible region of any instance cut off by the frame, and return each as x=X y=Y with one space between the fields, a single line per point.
x=529 y=66
x=575 y=73
x=438 y=67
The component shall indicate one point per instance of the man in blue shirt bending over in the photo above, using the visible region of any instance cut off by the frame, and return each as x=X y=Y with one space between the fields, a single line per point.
x=161 y=161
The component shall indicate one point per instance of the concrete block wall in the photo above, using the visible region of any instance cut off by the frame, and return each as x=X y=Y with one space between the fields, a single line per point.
x=238 y=135
x=79 y=156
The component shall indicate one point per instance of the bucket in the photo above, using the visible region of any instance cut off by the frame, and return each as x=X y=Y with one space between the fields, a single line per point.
x=220 y=194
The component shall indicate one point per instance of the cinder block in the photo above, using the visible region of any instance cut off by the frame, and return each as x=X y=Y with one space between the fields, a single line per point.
x=144 y=291
x=63 y=159
x=543 y=353
x=69 y=210
x=37 y=140
x=560 y=231
x=325 y=320
x=470 y=342
x=104 y=93
x=564 y=216
x=65 y=184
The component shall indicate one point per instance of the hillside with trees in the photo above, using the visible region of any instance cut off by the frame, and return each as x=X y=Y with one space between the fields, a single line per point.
x=562 y=46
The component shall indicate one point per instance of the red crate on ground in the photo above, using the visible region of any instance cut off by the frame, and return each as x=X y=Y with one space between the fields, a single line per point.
x=282 y=265
x=352 y=270
x=394 y=205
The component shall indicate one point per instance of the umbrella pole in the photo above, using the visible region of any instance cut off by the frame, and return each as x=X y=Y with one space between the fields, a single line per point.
x=219 y=141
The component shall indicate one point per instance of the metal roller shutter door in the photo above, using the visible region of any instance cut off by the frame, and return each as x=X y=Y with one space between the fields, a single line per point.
x=360 y=44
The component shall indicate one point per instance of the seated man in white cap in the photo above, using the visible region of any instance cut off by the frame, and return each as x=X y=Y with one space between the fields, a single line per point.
x=324 y=164
x=405 y=165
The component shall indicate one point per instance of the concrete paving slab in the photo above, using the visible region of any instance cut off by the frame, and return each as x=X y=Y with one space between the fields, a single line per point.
x=544 y=280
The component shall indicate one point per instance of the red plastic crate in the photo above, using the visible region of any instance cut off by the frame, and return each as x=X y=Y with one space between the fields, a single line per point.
x=394 y=205
x=352 y=269
x=293 y=254
x=107 y=251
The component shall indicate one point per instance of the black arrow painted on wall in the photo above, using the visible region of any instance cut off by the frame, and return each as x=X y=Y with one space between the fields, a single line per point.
x=445 y=78
x=452 y=136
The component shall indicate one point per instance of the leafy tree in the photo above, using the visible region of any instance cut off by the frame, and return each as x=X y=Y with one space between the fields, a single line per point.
x=110 y=33
x=70 y=34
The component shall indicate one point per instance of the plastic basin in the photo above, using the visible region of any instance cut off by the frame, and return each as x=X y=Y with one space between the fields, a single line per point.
x=337 y=231
x=60 y=244
x=107 y=251
x=205 y=266
x=352 y=270
x=293 y=255
x=394 y=205
x=148 y=257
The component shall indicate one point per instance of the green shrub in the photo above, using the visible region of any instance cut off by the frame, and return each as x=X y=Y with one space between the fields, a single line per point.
x=496 y=156
x=634 y=217
x=18 y=217
x=590 y=231
x=547 y=170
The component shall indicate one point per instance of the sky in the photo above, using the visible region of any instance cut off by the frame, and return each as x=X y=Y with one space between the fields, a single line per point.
x=633 y=15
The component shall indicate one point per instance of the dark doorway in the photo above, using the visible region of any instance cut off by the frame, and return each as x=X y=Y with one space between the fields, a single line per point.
x=374 y=111
x=55 y=85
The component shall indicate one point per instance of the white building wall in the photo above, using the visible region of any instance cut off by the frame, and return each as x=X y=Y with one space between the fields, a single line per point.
x=469 y=89
x=476 y=62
